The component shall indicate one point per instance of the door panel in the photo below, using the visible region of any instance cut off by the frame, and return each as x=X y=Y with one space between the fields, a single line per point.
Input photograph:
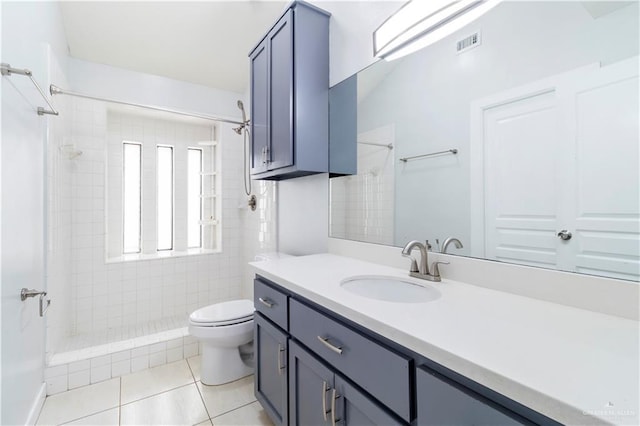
x=281 y=93
x=307 y=379
x=521 y=159
x=259 y=108
x=271 y=372
x=607 y=211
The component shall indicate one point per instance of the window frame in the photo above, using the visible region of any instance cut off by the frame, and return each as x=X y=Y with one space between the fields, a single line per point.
x=173 y=195
x=200 y=200
x=140 y=198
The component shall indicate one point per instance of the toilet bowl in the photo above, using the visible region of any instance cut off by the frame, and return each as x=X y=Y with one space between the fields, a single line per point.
x=221 y=329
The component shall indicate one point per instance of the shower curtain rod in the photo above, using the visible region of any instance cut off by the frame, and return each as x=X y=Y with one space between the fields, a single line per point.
x=55 y=90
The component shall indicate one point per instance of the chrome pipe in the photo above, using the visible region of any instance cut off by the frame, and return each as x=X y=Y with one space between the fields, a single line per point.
x=453 y=151
x=55 y=90
x=385 y=145
x=6 y=69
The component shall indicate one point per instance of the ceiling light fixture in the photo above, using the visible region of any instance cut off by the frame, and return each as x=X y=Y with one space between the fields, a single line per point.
x=420 y=23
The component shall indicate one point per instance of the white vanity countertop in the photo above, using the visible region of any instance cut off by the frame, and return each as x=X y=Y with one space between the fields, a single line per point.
x=573 y=365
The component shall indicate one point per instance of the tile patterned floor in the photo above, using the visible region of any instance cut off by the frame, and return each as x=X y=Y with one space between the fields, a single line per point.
x=171 y=394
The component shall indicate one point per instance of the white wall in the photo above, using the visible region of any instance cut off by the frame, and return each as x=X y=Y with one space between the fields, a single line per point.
x=303 y=215
x=303 y=203
x=26 y=29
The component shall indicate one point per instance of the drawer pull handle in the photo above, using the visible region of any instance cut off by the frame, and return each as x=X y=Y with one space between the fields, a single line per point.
x=266 y=302
x=325 y=341
x=334 y=396
x=280 y=367
x=325 y=388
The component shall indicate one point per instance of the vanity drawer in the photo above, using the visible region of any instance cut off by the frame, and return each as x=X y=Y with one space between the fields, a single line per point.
x=381 y=372
x=271 y=303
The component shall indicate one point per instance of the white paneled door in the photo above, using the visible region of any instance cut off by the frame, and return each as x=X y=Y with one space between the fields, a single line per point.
x=559 y=164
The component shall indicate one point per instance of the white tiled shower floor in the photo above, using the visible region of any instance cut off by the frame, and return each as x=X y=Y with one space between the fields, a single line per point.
x=171 y=394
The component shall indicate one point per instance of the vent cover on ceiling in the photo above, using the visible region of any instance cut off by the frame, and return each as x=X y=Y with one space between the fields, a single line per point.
x=468 y=42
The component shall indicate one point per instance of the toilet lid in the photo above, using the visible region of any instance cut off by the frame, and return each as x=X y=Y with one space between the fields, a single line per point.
x=226 y=313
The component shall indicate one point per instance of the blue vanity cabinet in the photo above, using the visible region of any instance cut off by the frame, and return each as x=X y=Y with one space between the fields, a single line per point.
x=315 y=366
x=443 y=401
x=290 y=96
x=271 y=344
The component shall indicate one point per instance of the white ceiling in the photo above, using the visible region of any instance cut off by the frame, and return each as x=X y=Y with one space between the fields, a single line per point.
x=200 y=42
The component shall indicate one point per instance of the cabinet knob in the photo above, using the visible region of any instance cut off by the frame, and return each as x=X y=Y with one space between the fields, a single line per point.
x=564 y=235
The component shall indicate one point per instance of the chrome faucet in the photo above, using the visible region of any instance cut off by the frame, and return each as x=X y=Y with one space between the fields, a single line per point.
x=422 y=270
x=450 y=240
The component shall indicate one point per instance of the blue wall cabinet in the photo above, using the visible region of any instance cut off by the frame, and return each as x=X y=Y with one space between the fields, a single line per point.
x=271 y=372
x=290 y=96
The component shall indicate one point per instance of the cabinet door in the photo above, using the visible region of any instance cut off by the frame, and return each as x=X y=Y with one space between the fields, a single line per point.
x=310 y=386
x=271 y=372
x=444 y=402
x=259 y=108
x=280 y=42
x=353 y=407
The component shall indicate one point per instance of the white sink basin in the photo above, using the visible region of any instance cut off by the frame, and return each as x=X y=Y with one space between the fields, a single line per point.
x=390 y=289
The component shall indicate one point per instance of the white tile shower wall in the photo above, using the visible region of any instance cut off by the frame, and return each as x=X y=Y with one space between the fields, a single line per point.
x=107 y=295
x=362 y=205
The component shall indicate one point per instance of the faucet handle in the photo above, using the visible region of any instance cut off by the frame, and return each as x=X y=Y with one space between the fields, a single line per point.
x=435 y=270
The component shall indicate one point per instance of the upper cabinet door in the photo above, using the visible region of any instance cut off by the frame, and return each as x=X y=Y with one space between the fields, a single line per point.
x=290 y=96
x=259 y=108
x=280 y=41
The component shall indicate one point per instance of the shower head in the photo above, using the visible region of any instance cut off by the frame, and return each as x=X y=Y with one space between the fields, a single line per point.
x=244 y=115
x=238 y=129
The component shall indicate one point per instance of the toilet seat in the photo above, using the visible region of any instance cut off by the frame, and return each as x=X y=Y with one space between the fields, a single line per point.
x=221 y=323
x=223 y=314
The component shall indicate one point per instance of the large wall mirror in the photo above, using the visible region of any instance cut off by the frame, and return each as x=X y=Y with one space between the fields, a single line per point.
x=517 y=135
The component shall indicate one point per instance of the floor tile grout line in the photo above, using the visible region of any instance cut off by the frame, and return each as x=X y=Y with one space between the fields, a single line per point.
x=120 y=404
x=191 y=370
x=203 y=402
x=231 y=411
x=156 y=394
x=88 y=415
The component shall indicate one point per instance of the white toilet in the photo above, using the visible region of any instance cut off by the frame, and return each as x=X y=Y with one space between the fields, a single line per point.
x=222 y=328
